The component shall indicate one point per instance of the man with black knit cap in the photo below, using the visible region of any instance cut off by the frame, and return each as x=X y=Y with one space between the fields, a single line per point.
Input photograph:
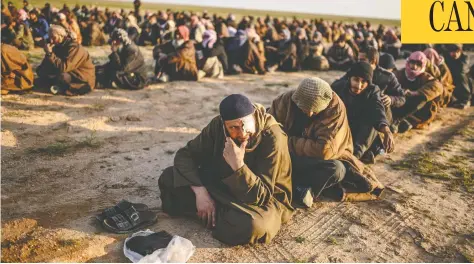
x=235 y=175
x=365 y=110
x=391 y=92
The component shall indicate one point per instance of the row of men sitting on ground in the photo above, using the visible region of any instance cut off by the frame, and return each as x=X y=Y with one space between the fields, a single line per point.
x=182 y=59
x=157 y=28
x=241 y=174
x=253 y=45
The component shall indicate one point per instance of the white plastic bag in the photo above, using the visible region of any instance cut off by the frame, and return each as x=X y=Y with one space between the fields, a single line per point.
x=179 y=250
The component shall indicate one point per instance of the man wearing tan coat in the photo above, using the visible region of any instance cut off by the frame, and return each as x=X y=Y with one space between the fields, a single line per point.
x=67 y=66
x=17 y=74
x=320 y=144
x=235 y=175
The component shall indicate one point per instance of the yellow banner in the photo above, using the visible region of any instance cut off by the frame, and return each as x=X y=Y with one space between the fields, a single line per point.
x=437 y=21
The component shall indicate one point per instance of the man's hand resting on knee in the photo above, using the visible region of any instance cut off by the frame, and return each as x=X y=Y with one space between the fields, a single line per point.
x=206 y=207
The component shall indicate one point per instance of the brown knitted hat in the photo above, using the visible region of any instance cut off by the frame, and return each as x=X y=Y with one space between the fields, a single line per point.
x=313 y=94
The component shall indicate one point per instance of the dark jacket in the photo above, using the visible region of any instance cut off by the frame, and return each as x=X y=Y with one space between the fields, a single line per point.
x=388 y=84
x=459 y=70
x=365 y=107
x=129 y=60
x=69 y=57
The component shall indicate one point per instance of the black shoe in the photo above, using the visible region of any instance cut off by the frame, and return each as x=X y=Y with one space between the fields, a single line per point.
x=404 y=126
x=394 y=127
x=462 y=106
x=304 y=196
x=368 y=157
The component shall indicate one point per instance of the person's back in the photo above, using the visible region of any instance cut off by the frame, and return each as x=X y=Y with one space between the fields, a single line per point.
x=17 y=74
x=182 y=64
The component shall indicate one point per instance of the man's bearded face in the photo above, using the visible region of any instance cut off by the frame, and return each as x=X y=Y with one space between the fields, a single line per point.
x=240 y=129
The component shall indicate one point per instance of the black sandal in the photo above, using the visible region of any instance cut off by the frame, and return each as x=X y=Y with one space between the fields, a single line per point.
x=129 y=220
x=122 y=205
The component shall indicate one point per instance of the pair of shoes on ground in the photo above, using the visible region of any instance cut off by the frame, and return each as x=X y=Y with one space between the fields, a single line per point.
x=126 y=217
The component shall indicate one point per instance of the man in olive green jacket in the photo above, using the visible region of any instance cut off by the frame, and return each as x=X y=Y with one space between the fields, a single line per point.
x=235 y=175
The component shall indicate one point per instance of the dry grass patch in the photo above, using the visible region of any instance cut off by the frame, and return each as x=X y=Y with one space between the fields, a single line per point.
x=63 y=147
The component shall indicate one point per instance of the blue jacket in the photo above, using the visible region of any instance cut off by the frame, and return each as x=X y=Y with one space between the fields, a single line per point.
x=40 y=28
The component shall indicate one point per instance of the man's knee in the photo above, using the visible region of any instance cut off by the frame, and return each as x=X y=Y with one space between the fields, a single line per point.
x=165 y=181
x=239 y=228
x=65 y=78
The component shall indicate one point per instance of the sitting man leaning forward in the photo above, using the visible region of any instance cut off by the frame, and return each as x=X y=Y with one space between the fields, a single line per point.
x=235 y=175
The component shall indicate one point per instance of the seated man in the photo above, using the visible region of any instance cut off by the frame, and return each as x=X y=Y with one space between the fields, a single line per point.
x=458 y=64
x=17 y=74
x=235 y=175
x=365 y=111
x=340 y=55
x=126 y=66
x=151 y=32
x=391 y=44
x=244 y=55
x=316 y=60
x=24 y=38
x=67 y=67
x=211 y=56
x=320 y=144
x=287 y=52
x=422 y=92
x=444 y=75
x=176 y=60
x=39 y=28
x=93 y=34
x=391 y=91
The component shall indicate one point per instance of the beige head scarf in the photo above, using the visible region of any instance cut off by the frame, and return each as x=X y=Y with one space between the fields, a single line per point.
x=56 y=30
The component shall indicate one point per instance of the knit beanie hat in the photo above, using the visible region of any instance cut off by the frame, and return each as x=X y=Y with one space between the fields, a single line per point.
x=363 y=70
x=312 y=95
x=387 y=61
x=235 y=106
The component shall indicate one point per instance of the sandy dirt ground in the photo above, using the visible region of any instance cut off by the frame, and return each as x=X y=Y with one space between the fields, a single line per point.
x=66 y=158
